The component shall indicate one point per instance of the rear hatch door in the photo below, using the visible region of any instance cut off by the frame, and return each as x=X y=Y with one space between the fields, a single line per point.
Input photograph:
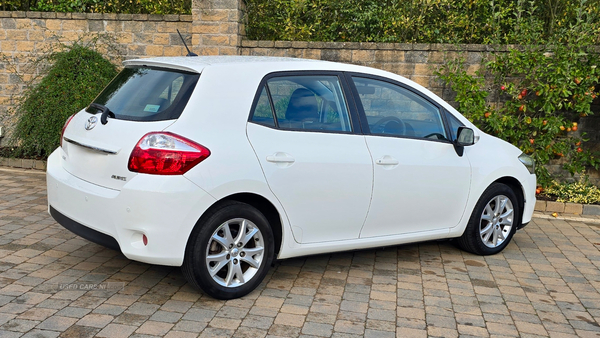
x=139 y=100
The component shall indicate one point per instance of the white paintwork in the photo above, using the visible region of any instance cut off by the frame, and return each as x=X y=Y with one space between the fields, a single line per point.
x=429 y=176
x=326 y=190
x=119 y=136
x=166 y=208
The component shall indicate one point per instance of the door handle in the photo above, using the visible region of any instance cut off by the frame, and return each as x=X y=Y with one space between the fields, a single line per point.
x=280 y=158
x=387 y=160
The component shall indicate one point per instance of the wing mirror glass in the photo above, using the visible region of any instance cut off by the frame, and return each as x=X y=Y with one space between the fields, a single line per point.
x=465 y=137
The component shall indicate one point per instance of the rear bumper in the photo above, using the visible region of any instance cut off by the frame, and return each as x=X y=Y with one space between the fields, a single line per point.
x=164 y=208
x=83 y=231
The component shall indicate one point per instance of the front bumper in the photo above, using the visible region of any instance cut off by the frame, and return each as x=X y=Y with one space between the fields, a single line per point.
x=164 y=208
x=529 y=186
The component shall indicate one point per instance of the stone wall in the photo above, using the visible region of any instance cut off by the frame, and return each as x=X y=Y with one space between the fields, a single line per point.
x=25 y=36
x=216 y=27
x=417 y=61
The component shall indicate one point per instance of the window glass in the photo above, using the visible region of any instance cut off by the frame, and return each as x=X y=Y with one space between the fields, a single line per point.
x=454 y=125
x=309 y=103
x=147 y=94
x=263 y=113
x=393 y=110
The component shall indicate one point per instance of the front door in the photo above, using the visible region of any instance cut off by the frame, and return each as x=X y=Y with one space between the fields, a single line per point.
x=420 y=182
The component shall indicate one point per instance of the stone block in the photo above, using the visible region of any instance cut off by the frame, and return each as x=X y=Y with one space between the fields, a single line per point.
x=573 y=208
x=589 y=209
x=215 y=40
x=208 y=28
x=336 y=55
x=282 y=44
x=154 y=50
x=416 y=56
x=363 y=56
x=552 y=206
x=214 y=15
x=74 y=25
x=95 y=25
x=266 y=44
x=171 y=17
x=109 y=16
x=15 y=162
x=63 y=15
x=40 y=165
x=27 y=164
x=3 y=162
x=540 y=205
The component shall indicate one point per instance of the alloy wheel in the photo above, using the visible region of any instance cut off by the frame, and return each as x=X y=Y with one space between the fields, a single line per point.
x=496 y=221
x=235 y=252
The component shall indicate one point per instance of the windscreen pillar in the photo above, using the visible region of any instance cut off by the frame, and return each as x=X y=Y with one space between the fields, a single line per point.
x=217 y=26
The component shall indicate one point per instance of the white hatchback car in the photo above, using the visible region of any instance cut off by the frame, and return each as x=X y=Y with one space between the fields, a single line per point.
x=222 y=164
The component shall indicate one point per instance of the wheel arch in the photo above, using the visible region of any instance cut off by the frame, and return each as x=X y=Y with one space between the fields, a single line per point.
x=257 y=201
x=517 y=188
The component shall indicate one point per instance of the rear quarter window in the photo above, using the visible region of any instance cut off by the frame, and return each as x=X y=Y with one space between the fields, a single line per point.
x=147 y=94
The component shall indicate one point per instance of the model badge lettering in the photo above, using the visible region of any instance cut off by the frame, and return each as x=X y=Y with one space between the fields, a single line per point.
x=91 y=123
x=120 y=178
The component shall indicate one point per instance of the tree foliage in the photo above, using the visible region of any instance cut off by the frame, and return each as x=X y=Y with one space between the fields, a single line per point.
x=78 y=73
x=533 y=95
x=100 y=6
x=422 y=21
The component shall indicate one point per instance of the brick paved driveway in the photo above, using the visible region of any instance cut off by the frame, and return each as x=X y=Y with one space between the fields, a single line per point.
x=546 y=283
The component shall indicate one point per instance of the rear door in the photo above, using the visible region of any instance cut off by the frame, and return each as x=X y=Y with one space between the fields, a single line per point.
x=303 y=134
x=140 y=100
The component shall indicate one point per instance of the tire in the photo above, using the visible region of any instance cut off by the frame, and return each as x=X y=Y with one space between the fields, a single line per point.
x=236 y=264
x=493 y=223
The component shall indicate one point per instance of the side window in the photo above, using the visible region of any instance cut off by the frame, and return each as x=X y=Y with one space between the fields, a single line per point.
x=263 y=113
x=394 y=110
x=454 y=124
x=311 y=102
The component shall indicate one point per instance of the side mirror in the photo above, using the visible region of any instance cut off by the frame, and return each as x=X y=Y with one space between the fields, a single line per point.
x=465 y=137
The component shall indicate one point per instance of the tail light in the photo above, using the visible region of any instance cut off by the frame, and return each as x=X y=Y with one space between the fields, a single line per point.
x=62 y=133
x=164 y=153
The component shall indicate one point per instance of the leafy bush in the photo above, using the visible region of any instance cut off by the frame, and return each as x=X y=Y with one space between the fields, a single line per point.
x=533 y=96
x=78 y=73
x=578 y=192
x=436 y=21
x=101 y=6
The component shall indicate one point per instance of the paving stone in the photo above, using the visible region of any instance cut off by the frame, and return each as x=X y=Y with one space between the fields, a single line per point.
x=545 y=283
x=57 y=323
x=116 y=331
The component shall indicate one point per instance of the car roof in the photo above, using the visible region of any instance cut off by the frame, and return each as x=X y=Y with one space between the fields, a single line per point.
x=198 y=63
x=268 y=64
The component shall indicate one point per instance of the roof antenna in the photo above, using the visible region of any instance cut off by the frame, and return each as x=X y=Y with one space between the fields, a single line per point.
x=186 y=47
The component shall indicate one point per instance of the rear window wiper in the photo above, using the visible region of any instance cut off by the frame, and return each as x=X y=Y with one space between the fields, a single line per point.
x=106 y=112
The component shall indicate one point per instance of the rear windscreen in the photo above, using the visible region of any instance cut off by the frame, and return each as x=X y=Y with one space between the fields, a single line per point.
x=147 y=94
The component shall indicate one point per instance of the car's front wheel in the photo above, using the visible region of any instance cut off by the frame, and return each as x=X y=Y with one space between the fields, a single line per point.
x=493 y=222
x=230 y=252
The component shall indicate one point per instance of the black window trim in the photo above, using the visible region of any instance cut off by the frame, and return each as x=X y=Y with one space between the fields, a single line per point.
x=356 y=125
x=363 y=115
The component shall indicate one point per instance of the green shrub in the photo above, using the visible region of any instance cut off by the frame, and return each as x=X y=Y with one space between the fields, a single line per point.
x=578 y=192
x=78 y=73
x=101 y=6
x=435 y=21
x=533 y=96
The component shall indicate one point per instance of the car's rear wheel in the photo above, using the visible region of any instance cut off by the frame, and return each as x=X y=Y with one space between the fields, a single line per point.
x=493 y=222
x=230 y=251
